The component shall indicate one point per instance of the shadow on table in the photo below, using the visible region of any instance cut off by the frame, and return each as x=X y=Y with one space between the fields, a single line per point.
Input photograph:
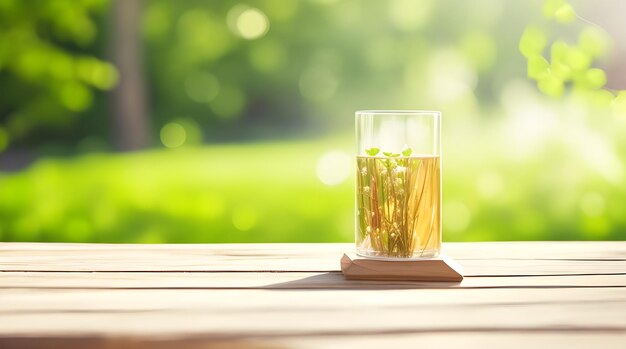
x=143 y=342
x=336 y=280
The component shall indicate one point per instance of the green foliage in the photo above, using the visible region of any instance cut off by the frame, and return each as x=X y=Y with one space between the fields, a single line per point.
x=313 y=64
x=559 y=10
x=538 y=67
x=390 y=154
x=246 y=193
x=407 y=151
x=4 y=139
x=565 y=14
x=47 y=59
x=620 y=103
x=592 y=79
x=372 y=151
x=568 y=64
x=550 y=7
x=594 y=41
x=533 y=41
x=551 y=85
x=216 y=194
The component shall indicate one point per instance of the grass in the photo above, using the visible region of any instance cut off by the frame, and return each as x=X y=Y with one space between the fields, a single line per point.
x=234 y=193
x=271 y=192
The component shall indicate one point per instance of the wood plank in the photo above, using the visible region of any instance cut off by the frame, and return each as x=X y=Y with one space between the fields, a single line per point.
x=124 y=263
x=467 y=340
x=291 y=280
x=286 y=257
x=354 y=318
x=494 y=307
x=482 y=250
x=573 y=294
x=567 y=250
x=511 y=267
x=289 y=301
x=218 y=257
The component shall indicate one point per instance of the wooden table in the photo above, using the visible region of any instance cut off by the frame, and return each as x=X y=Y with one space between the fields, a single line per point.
x=515 y=295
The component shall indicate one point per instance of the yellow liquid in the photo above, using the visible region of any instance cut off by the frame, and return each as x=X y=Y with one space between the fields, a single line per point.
x=398 y=204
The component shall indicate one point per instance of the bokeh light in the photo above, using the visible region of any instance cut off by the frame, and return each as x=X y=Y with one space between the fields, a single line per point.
x=456 y=216
x=202 y=87
x=75 y=96
x=489 y=184
x=244 y=218
x=248 y=22
x=409 y=15
x=173 y=135
x=334 y=167
x=451 y=76
x=260 y=96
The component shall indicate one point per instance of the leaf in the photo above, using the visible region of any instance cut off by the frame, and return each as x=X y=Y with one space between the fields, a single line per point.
x=565 y=14
x=560 y=70
x=372 y=151
x=551 y=6
x=532 y=42
x=595 y=78
x=619 y=103
x=559 y=51
x=406 y=151
x=594 y=41
x=551 y=86
x=577 y=59
x=390 y=154
x=601 y=98
x=537 y=67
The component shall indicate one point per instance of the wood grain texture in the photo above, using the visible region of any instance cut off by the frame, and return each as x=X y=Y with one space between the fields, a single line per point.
x=529 y=294
x=295 y=280
x=465 y=340
x=520 y=258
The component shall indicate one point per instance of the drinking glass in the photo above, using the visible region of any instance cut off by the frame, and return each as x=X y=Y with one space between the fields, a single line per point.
x=398 y=184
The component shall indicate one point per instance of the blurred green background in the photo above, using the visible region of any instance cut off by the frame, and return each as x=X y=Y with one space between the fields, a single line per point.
x=232 y=121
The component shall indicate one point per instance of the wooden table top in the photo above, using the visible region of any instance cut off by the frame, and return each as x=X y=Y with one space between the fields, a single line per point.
x=514 y=295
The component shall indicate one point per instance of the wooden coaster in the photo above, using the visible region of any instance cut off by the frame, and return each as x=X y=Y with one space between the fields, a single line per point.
x=442 y=268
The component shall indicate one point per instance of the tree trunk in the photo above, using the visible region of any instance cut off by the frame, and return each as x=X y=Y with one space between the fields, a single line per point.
x=131 y=123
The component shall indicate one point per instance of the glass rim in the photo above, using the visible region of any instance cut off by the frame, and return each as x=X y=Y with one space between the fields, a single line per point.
x=383 y=112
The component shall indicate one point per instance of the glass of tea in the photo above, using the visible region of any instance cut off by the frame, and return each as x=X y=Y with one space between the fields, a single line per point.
x=398 y=184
